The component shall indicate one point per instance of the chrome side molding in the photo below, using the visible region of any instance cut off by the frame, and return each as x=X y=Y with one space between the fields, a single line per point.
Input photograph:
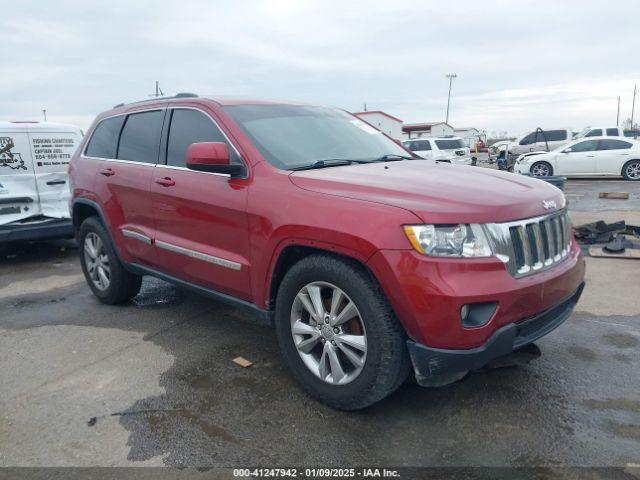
x=222 y=262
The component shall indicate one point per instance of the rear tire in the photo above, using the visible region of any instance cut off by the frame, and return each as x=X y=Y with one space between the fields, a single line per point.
x=105 y=274
x=384 y=360
x=541 y=169
x=631 y=170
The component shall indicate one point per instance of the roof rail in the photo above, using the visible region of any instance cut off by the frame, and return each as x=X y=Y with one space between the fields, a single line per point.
x=178 y=95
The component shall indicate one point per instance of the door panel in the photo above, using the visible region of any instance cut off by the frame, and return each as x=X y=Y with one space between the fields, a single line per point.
x=201 y=224
x=52 y=152
x=580 y=161
x=613 y=153
x=202 y=229
x=124 y=189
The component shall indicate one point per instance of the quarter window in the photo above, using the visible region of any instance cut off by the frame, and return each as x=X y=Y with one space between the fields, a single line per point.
x=104 y=141
x=192 y=126
x=613 y=145
x=140 y=138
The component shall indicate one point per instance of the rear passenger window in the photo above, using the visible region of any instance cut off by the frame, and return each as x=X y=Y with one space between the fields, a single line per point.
x=612 y=132
x=613 y=145
x=104 y=141
x=140 y=138
x=192 y=126
x=594 y=133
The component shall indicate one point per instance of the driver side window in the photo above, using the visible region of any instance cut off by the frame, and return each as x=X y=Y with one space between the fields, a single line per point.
x=586 y=146
x=529 y=139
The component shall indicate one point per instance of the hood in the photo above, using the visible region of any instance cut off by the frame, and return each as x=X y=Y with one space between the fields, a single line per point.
x=437 y=193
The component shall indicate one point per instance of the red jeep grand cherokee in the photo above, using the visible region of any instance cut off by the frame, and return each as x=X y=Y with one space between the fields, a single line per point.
x=367 y=260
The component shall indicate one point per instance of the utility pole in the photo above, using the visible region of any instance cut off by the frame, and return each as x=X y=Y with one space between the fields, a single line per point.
x=44 y=113
x=365 y=107
x=159 y=92
x=633 y=105
x=450 y=76
x=618 y=116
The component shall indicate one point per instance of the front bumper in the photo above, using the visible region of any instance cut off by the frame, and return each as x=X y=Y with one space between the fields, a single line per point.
x=45 y=230
x=430 y=362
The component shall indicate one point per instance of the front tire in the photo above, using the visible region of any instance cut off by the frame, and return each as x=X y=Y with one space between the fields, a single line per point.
x=541 y=169
x=338 y=334
x=105 y=274
x=631 y=170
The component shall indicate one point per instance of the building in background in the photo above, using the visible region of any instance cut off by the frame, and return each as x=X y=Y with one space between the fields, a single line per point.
x=470 y=135
x=384 y=122
x=417 y=130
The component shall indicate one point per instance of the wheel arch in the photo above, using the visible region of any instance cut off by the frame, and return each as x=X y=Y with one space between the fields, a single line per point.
x=295 y=250
x=83 y=208
x=624 y=165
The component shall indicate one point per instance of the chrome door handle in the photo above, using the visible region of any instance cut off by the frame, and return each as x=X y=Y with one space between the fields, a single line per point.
x=56 y=182
x=165 y=182
x=107 y=172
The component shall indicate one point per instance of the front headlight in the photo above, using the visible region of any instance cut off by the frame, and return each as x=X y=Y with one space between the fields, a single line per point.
x=461 y=240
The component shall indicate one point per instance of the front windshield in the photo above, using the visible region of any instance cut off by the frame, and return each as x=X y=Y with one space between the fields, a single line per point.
x=450 y=144
x=292 y=136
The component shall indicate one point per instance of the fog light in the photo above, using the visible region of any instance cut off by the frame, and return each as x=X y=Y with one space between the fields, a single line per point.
x=477 y=314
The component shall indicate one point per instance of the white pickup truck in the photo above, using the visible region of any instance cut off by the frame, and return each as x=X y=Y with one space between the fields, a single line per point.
x=600 y=132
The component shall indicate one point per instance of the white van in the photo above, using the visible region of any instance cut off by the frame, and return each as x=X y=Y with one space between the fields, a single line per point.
x=34 y=186
x=441 y=149
x=541 y=140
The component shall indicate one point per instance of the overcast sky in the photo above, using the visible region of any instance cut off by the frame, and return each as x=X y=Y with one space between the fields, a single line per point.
x=520 y=64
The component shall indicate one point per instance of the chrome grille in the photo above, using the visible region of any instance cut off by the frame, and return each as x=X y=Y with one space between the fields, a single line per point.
x=533 y=244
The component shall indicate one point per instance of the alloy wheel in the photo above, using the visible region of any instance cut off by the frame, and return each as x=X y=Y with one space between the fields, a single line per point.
x=540 y=170
x=329 y=333
x=97 y=261
x=633 y=171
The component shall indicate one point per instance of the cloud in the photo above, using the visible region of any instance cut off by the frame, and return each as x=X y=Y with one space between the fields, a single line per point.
x=519 y=64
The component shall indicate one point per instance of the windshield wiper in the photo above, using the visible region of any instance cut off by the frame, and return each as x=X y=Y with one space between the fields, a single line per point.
x=392 y=157
x=329 y=162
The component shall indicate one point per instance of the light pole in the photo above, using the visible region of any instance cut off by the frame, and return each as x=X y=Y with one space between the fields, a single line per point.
x=633 y=106
x=450 y=76
x=618 y=115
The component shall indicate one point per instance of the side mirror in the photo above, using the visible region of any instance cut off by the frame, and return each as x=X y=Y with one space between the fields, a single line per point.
x=212 y=157
x=567 y=150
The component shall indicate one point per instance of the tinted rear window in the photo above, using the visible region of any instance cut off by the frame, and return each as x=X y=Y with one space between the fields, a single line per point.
x=418 y=145
x=612 y=132
x=140 y=138
x=104 y=141
x=449 y=144
x=613 y=145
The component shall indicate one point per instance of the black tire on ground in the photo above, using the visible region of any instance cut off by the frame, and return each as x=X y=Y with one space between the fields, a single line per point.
x=123 y=285
x=631 y=170
x=541 y=166
x=387 y=360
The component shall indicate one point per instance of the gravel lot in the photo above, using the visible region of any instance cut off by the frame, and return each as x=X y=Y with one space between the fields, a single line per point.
x=162 y=365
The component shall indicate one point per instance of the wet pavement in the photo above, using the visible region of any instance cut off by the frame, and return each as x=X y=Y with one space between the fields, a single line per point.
x=162 y=364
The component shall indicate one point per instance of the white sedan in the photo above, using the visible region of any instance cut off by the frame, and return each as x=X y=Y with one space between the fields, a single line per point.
x=595 y=156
